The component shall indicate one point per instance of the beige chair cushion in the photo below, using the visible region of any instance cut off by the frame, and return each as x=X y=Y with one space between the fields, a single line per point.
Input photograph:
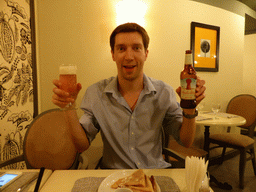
x=233 y=138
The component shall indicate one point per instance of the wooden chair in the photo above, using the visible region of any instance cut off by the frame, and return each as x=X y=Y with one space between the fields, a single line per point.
x=47 y=143
x=176 y=154
x=243 y=105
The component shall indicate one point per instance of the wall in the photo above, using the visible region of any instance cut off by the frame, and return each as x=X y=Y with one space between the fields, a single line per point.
x=73 y=32
x=78 y=32
x=249 y=64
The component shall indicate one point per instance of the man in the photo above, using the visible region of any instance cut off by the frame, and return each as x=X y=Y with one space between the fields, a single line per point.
x=130 y=110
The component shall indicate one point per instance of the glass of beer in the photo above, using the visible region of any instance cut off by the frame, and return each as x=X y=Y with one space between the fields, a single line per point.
x=68 y=79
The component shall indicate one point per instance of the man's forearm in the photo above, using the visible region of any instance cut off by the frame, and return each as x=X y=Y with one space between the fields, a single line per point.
x=76 y=131
x=188 y=129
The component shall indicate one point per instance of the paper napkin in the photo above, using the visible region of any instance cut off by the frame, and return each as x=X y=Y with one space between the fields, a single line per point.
x=196 y=169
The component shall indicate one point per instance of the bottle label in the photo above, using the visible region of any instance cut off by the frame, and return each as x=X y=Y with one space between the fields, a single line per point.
x=188 y=88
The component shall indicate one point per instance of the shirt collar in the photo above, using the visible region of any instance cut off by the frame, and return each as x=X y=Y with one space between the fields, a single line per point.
x=112 y=86
x=148 y=85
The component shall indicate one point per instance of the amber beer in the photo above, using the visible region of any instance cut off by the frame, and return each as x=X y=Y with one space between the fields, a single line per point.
x=188 y=83
x=68 y=78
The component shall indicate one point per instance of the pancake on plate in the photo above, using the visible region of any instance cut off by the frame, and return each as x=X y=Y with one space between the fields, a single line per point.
x=137 y=182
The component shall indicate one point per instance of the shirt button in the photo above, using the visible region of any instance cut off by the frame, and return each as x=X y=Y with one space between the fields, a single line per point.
x=132 y=148
x=138 y=163
x=132 y=133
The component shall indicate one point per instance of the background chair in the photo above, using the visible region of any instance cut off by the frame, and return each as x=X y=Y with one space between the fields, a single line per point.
x=243 y=105
x=48 y=143
x=176 y=154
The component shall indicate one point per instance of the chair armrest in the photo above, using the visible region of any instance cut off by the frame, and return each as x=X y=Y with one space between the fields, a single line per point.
x=12 y=161
x=169 y=152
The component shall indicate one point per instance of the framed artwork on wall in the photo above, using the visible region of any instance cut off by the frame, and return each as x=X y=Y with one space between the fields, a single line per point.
x=205 y=46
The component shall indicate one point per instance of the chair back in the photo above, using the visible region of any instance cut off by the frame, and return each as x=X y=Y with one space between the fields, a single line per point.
x=48 y=142
x=244 y=105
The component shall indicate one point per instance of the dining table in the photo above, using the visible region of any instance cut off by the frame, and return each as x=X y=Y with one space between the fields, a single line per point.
x=209 y=119
x=95 y=180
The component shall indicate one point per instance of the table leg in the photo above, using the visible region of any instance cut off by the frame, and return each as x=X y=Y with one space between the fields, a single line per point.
x=206 y=140
x=225 y=185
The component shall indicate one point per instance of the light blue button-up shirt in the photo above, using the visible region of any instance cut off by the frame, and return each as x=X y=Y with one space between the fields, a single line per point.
x=132 y=139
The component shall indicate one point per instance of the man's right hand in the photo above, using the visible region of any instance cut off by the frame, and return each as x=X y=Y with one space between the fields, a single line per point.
x=62 y=98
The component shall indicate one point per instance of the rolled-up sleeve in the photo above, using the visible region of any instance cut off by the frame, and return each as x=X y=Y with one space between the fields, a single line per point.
x=88 y=120
x=173 y=118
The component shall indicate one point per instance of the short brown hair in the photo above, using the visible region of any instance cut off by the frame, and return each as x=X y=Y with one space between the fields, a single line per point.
x=129 y=27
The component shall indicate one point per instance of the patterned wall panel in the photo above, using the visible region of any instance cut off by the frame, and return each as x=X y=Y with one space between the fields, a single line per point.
x=16 y=79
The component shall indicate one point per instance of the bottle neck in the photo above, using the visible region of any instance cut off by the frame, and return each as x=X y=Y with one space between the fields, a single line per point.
x=188 y=59
x=189 y=68
x=188 y=65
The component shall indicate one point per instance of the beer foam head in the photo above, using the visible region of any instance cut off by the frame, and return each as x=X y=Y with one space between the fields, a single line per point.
x=67 y=69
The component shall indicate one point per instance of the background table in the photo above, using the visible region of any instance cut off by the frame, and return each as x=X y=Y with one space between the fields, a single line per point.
x=223 y=119
x=208 y=119
x=64 y=180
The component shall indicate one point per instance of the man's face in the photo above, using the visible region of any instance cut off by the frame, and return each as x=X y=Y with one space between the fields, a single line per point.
x=129 y=54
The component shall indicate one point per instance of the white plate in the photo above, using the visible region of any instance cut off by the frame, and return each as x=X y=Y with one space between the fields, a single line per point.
x=105 y=185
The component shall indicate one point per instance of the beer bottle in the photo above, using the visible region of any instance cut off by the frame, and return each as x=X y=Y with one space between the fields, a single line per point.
x=188 y=83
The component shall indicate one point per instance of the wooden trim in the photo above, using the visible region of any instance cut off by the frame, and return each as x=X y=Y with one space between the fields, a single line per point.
x=33 y=52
